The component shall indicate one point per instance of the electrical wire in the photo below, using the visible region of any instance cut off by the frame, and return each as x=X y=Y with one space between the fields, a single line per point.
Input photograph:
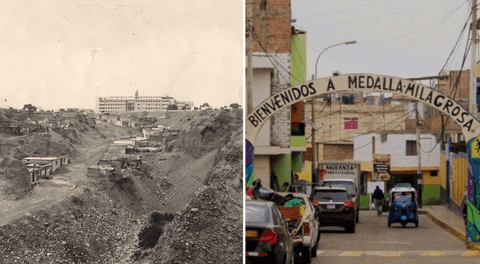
x=384 y=15
x=270 y=57
x=456 y=43
x=404 y=117
x=411 y=112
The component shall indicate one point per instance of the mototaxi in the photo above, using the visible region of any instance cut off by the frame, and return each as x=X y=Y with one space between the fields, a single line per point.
x=403 y=206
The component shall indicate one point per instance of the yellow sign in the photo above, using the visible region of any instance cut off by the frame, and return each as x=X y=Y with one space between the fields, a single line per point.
x=475 y=148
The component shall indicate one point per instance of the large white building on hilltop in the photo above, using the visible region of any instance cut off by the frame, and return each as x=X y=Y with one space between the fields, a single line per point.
x=112 y=104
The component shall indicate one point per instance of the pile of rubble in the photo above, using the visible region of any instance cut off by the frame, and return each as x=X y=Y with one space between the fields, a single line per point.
x=212 y=223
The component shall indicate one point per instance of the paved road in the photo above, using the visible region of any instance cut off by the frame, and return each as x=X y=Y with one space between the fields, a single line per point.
x=374 y=242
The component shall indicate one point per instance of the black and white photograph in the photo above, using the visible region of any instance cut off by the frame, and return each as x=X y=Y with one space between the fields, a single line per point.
x=121 y=131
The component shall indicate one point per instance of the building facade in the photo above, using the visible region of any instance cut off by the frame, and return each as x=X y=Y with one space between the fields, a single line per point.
x=402 y=148
x=113 y=104
x=277 y=151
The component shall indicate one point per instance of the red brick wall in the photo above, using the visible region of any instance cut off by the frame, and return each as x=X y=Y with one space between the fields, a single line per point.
x=434 y=124
x=276 y=26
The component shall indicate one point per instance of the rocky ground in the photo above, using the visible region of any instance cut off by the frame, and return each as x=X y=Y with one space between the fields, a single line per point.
x=190 y=197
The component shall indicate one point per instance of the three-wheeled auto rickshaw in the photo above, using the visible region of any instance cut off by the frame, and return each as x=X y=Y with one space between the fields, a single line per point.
x=403 y=206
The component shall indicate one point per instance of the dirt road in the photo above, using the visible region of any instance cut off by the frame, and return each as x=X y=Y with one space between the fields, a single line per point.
x=68 y=182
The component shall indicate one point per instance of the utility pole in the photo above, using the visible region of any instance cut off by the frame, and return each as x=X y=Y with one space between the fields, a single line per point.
x=249 y=47
x=419 y=180
x=473 y=68
x=314 y=149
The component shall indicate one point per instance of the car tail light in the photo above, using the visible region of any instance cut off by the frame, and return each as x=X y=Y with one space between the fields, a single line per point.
x=269 y=236
x=306 y=228
x=315 y=203
x=348 y=204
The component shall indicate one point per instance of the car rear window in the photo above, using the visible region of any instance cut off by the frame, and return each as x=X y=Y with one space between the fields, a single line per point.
x=350 y=186
x=330 y=195
x=257 y=213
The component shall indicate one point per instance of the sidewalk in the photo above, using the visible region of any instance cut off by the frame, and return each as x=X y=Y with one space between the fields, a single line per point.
x=449 y=220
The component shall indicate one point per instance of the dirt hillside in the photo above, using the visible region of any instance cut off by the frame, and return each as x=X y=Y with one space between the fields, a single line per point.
x=185 y=201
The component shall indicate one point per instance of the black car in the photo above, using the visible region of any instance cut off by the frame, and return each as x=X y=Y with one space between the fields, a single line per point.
x=335 y=207
x=266 y=234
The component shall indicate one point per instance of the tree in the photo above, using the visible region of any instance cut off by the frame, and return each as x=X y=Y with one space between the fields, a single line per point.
x=172 y=107
x=234 y=106
x=205 y=104
x=29 y=107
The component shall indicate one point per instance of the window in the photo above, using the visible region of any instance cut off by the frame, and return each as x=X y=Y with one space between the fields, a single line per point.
x=434 y=173
x=411 y=148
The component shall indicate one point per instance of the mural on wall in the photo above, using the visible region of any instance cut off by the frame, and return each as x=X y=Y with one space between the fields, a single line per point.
x=473 y=212
x=249 y=162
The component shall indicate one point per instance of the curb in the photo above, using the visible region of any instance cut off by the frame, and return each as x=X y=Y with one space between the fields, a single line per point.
x=460 y=235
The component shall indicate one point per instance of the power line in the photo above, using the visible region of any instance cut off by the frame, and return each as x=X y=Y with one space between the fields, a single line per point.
x=270 y=57
x=456 y=43
x=384 y=15
x=404 y=117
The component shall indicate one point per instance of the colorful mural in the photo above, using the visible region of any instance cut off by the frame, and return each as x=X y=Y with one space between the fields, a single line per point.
x=249 y=162
x=473 y=213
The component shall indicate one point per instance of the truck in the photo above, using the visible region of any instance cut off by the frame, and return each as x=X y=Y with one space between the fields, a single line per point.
x=342 y=173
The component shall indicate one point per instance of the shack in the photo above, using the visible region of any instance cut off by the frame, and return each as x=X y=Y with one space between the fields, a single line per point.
x=45 y=169
x=55 y=161
x=98 y=171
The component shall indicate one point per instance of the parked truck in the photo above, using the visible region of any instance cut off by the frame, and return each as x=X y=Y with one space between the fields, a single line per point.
x=342 y=173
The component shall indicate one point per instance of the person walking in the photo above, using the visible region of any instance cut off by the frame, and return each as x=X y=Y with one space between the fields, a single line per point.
x=378 y=198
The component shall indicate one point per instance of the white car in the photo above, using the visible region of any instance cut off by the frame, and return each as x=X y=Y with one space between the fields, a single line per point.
x=305 y=231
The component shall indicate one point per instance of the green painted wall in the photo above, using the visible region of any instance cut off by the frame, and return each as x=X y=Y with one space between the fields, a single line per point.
x=431 y=194
x=297 y=161
x=299 y=59
x=282 y=166
x=365 y=201
x=298 y=141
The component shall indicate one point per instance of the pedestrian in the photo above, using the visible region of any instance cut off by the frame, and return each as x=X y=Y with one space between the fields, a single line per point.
x=378 y=198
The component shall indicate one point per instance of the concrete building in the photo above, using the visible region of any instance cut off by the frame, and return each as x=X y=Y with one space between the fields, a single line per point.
x=54 y=161
x=402 y=148
x=335 y=141
x=45 y=169
x=278 y=154
x=100 y=172
x=113 y=104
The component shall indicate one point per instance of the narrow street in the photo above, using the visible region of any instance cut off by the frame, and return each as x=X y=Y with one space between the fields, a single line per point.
x=374 y=242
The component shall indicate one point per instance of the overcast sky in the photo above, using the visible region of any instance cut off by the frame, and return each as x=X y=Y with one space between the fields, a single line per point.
x=60 y=54
x=407 y=38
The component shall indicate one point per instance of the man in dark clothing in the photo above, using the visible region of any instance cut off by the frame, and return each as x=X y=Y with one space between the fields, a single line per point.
x=378 y=198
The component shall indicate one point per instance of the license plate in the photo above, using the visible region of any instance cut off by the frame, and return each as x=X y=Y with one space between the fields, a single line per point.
x=251 y=233
x=330 y=206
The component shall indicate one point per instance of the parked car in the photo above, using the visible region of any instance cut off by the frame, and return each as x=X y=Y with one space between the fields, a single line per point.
x=268 y=239
x=335 y=207
x=302 y=221
x=352 y=190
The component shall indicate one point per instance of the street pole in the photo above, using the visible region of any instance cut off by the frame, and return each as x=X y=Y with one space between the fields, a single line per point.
x=314 y=149
x=473 y=68
x=314 y=163
x=249 y=81
x=419 y=180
